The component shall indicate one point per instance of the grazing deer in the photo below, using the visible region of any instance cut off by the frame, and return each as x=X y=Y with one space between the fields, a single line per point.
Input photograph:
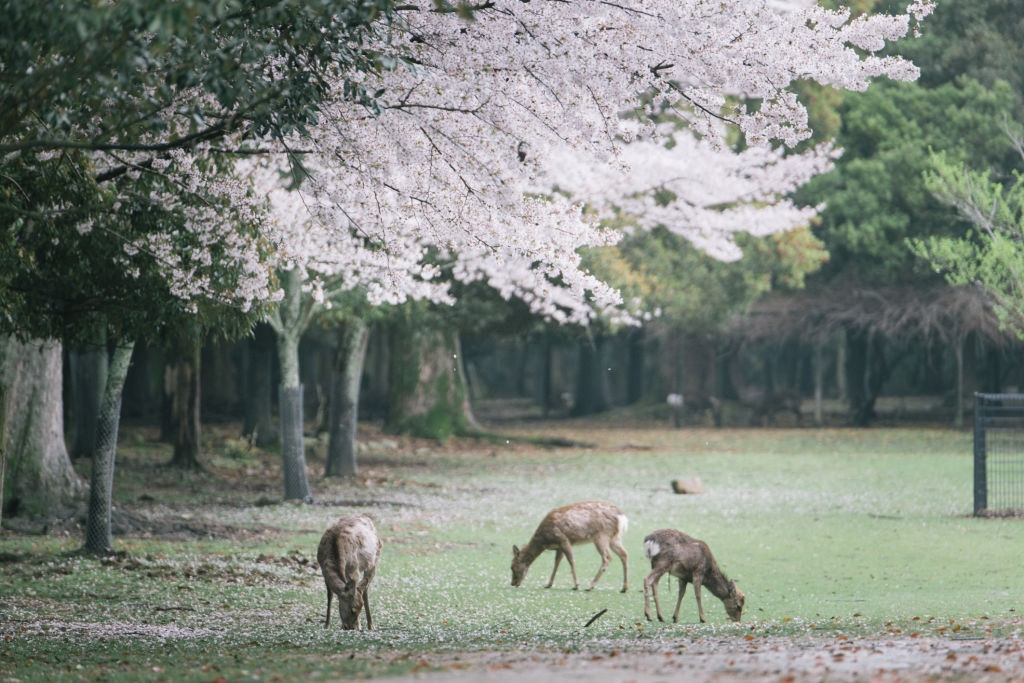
x=689 y=560
x=348 y=554
x=562 y=528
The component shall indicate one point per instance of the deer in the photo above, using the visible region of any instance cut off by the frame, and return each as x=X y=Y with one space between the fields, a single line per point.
x=773 y=402
x=690 y=560
x=348 y=555
x=596 y=521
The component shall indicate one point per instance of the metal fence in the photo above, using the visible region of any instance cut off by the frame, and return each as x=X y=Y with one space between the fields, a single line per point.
x=998 y=454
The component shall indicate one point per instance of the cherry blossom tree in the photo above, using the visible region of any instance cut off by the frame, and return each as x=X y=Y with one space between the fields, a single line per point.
x=433 y=141
x=481 y=112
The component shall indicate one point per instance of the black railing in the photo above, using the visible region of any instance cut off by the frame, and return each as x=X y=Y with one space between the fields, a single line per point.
x=998 y=454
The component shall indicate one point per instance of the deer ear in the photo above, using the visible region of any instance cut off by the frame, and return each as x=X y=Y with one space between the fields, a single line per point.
x=515 y=551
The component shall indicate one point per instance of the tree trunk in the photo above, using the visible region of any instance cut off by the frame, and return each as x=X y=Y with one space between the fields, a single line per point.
x=592 y=391
x=958 y=416
x=98 y=536
x=289 y=401
x=39 y=480
x=635 y=387
x=4 y=405
x=87 y=368
x=819 y=383
x=343 y=406
x=427 y=394
x=857 y=371
x=257 y=386
x=293 y=319
x=841 y=361
x=182 y=385
x=544 y=369
x=867 y=372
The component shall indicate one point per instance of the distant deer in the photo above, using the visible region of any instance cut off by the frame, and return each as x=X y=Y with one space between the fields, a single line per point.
x=699 y=404
x=590 y=520
x=348 y=554
x=690 y=561
x=776 y=402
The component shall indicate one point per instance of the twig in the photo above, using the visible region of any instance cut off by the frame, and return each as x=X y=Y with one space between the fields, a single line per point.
x=595 y=617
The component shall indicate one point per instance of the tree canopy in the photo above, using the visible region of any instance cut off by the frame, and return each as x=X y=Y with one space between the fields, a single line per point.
x=876 y=198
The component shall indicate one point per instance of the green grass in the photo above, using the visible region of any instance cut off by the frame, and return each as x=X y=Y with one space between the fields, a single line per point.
x=865 y=533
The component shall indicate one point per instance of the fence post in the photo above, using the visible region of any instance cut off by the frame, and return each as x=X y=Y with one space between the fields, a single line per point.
x=980 y=476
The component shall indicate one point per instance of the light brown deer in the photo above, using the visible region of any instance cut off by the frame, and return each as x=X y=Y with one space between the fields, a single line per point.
x=589 y=520
x=691 y=561
x=348 y=554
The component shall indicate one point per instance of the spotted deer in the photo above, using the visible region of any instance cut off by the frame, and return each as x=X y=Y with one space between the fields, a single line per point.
x=595 y=521
x=348 y=555
x=691 y=561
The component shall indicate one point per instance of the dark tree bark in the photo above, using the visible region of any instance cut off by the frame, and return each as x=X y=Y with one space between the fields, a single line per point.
x=258 y=386
x=87 y=367
x=98 y=536
x=4 y=406
x=592 y=391
x=861 y=407
x=343 y=405
x=184 y=394
x=636 y=385
x=866 y=371
x=39 y=480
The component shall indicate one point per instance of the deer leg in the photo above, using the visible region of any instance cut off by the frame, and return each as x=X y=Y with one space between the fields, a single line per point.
x=558 y=559
x=330 y=596
x=623 y=555
x=366 y=606
x=606 y=557
x=651 y=586
x=700 y=607
x=679 y=600
x=567 y=551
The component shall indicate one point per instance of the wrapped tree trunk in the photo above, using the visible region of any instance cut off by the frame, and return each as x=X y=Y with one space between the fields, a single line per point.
x=427 y=396
x=98 y=536
x=39 y=480
x=344 y=399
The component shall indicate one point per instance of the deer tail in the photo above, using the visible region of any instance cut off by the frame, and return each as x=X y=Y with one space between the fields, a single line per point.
x=651 y=548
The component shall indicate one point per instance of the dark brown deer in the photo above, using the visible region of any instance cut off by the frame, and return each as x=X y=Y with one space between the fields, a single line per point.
x=589 y=520
x=691 y=561
x=348 y=554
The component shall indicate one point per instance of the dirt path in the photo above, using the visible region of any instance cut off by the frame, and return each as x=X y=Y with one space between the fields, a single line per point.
x=907 y=660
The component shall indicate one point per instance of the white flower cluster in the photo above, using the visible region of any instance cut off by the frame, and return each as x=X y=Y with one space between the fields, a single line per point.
x=482 y=119
x=491 y=114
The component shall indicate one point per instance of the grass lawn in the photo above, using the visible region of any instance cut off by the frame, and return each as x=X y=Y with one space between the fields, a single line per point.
x=833 y=535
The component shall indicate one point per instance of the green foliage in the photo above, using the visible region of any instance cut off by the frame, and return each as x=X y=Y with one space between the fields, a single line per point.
x=875 y=196
x=975 y=38
x=155 y=75
x=95 y=97
x=992 y=256
x=664 y=271
x=67 y=267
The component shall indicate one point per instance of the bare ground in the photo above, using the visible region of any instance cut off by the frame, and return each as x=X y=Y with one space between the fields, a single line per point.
x=799 y=660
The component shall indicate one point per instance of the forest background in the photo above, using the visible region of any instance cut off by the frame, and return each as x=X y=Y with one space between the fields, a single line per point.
x=868 y=312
